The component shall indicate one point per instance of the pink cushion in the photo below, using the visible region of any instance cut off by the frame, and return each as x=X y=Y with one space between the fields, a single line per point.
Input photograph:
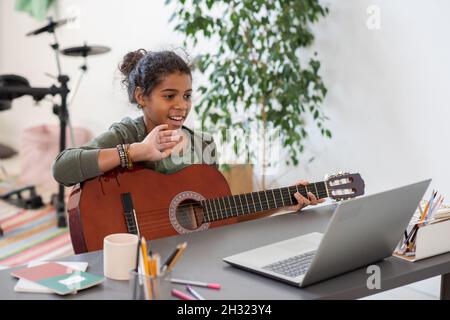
x=39 y=148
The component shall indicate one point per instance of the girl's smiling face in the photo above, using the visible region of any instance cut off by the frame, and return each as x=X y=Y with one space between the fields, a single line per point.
x=168 y=103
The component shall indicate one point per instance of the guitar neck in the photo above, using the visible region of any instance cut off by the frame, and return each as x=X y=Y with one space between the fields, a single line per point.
x=248 y=203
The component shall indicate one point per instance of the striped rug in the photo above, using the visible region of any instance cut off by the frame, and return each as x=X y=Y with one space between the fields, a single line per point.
x=29 y=235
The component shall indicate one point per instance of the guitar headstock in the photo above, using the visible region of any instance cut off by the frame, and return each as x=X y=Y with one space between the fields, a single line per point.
x=344 y=185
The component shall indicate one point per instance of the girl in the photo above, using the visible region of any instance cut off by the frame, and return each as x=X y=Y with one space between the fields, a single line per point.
x=160 y=83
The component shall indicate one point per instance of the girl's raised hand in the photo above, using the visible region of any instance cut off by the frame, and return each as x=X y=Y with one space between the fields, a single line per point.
x=157 y=145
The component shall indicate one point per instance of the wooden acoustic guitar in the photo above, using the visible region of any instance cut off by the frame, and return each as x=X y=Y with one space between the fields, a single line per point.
x=155 y=205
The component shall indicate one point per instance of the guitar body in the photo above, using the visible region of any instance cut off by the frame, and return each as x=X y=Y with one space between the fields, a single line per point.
x=96 y=210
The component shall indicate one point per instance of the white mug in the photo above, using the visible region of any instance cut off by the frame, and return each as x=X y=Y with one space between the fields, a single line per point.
x=119 y=255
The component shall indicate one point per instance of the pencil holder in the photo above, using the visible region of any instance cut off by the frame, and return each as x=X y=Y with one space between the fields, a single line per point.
x=432 y=239
x=144 y=287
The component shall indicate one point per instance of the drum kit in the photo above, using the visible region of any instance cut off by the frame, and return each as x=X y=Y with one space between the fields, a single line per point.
x=14 y=86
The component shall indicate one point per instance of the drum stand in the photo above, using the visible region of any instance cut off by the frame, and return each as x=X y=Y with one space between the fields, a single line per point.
x=10 y=92
x=63 y=115
x=38 y=94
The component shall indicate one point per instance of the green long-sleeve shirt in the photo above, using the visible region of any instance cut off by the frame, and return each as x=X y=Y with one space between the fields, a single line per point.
x=75 y=165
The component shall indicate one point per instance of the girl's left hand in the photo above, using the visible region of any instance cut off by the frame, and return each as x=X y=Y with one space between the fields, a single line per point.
x=302 y=201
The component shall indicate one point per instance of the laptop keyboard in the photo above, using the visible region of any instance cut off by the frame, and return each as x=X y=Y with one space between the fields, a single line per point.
x=294 y=266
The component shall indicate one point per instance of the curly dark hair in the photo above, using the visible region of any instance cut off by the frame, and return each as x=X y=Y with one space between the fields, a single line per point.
x=148 y=69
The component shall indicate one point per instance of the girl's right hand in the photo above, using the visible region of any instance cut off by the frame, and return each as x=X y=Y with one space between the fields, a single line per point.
x=157 y=145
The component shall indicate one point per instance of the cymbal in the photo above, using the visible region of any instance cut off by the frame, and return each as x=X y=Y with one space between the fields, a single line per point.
x=85 y=51
x=50 y=27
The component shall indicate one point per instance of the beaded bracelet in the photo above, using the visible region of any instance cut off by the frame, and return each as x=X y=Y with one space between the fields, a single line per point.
x=127 y=155
x=122 y=156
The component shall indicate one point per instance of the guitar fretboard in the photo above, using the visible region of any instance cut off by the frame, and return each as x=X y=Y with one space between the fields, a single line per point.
x=253 y=202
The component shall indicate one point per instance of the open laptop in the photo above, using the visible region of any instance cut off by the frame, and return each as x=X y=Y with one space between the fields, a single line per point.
x=361 y=231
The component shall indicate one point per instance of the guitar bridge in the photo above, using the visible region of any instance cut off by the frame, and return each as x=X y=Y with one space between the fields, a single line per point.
x=130 y=214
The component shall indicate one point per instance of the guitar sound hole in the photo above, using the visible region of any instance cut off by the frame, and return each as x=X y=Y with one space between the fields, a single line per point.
x=189 y=214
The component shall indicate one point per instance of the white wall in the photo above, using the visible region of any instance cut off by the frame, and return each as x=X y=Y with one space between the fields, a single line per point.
x=387 y=97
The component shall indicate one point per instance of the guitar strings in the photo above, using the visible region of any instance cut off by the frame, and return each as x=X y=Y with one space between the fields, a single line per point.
x=214 y=209
x=245 y=207
x=216 y=212
x=146 y=221
x=261 y=203
x=319 y=191
x=214 y=215
x=162 y=222
x=232 y=211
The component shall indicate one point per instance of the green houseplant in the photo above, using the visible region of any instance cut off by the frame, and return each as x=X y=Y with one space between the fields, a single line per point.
x=257 y=70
